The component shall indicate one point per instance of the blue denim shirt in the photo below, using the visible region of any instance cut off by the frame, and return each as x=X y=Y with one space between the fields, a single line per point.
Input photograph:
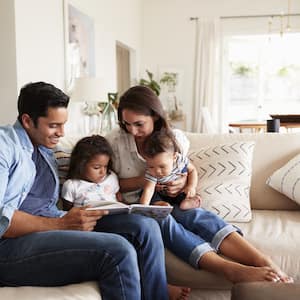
x=17 y=173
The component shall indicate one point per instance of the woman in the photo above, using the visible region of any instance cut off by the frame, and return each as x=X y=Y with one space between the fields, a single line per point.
x=140 y=114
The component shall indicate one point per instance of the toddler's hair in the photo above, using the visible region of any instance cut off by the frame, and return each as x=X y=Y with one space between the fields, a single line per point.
x=84 y=150
x=159 y=142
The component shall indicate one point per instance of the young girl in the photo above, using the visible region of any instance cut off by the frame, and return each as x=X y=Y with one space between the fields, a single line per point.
x=165 y=162
x=90 y=179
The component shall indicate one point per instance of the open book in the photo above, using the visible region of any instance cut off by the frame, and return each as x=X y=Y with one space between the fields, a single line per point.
x=154 y=211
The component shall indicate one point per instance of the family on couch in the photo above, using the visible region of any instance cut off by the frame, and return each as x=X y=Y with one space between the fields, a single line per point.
x=41 y=245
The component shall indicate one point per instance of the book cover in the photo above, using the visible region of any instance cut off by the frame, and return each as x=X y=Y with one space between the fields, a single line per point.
x=154 y=211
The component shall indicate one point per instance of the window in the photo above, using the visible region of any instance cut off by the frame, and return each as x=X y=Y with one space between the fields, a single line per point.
x=262 y=76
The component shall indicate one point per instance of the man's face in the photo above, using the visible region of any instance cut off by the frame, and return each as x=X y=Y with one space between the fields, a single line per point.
x=49 y=129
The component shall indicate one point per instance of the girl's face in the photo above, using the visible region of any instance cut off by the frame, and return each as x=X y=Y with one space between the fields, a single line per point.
x=139 y=125
x=161 y=164
x=96 y=168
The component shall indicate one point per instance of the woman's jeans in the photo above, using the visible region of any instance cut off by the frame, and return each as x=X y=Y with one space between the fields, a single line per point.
x=126 y=257
x=189 y=234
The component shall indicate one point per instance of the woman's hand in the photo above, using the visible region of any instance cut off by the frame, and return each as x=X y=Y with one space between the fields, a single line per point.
x=189 y=191
x=173 y=188
x=79 y=218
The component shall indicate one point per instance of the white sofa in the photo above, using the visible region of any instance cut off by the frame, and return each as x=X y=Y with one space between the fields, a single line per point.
x=274 y=228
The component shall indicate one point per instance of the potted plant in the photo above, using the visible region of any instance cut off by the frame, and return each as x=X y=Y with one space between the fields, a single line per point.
x=150 y=83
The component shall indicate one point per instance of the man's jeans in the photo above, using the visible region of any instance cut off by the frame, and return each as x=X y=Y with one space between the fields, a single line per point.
x=122 y=268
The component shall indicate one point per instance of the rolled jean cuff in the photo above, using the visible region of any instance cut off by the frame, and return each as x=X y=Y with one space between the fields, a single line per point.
x=222 y=234
x=198 y=252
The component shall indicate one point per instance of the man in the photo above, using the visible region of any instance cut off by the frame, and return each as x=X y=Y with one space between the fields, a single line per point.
x=41 y=245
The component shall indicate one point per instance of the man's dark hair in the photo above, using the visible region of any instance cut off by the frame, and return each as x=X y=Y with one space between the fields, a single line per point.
x=35 y=99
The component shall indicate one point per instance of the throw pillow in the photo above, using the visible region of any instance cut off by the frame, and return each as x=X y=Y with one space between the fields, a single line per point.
x=224 y=176
x=63 y=160
x=286 y=180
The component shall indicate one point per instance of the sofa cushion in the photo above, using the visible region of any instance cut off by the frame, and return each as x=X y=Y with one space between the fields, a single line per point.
x=265 y=290
x=286 y=180
x=224 y=173
x=62 y=153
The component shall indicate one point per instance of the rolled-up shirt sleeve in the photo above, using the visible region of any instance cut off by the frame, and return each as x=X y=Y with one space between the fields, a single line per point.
x=6 y=209
x=6 y=214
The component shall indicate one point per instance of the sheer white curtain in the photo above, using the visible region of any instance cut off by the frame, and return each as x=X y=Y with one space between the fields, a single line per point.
x=206 y=87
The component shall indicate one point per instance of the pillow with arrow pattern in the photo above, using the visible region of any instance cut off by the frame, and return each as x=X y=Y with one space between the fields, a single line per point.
x=224 y=177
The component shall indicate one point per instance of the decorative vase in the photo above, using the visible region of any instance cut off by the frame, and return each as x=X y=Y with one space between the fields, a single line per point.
x=109 y=118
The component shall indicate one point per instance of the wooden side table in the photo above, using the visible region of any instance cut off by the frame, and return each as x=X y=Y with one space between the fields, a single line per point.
x=252 y=125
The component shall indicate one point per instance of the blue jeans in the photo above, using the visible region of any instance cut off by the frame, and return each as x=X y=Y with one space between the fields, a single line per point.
x=122 y=268
x=189 y=234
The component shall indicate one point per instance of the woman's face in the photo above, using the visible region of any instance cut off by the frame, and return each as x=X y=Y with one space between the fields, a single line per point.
x=139 y=125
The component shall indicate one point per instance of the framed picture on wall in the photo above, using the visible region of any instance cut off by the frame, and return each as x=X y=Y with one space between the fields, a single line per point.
x=171 y=82
x=79 y=45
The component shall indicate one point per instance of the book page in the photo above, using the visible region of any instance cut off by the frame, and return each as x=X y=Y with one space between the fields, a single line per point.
x=113 y=208
x=154 y=211
x=101 y=203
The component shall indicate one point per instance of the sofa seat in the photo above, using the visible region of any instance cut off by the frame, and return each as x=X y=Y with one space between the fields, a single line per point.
x=83 y=291
x=281 y=237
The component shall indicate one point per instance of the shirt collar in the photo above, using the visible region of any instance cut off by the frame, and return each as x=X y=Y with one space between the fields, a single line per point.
x=23 y=136
x=25 y=140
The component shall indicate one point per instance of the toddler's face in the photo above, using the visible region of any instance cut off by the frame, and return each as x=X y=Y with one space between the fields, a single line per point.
x=96 y=168
x=161 y=164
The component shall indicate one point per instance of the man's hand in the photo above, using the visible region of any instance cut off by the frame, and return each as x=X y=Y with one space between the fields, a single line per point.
x=79 y=218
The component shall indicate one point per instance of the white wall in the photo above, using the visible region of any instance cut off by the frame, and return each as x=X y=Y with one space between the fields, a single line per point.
x=8 y=70
x=169 y=34
x=39 y=41
x=115 y=20
x=39 y=38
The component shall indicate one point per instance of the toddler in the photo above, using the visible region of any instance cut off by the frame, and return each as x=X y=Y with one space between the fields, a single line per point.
x=164 y=164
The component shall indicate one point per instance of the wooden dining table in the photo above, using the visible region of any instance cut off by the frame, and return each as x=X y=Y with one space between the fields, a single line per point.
x=257 y=126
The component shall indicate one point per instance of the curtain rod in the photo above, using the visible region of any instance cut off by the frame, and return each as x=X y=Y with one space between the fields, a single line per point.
x=252 y=16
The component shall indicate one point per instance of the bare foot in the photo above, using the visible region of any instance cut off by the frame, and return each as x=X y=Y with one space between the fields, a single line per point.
x=178 y=292
x=191 y=202
x=242 y=273
x=283 y=277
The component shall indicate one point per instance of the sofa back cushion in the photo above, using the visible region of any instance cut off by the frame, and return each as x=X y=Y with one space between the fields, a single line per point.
x=271 y=151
